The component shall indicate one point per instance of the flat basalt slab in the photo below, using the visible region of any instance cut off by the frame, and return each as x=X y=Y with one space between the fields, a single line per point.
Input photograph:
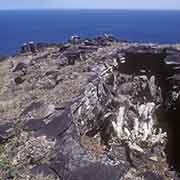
x=6 y=130
x=71 y=161
x=152 y=176
x=97 y=171
x=37 y=110
x=57 y=124
x=52 y=126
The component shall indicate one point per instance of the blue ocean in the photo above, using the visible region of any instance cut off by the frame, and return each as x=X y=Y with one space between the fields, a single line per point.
x=16 y=27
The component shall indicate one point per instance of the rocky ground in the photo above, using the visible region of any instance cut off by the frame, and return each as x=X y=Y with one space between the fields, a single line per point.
x=90 y=109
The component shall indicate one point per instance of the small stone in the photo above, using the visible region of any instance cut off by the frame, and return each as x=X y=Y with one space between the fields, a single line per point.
x=154 y=158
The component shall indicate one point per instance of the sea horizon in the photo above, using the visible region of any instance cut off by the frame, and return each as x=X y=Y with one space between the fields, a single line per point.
x=57 y=25
x=84 y=9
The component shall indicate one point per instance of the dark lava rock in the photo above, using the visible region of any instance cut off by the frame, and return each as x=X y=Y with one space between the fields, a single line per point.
x=75 y=39
x=20 y=67
x=29 y=47
x=57 y=124
x=6 y=130
x=146 y=59
x=43 y=169
x=152 y=176
x=19 y=80
x=73 y=55
x=96 y=171
x=72 y=161
x=2 y=58
x=89 y=42
x=37 y=110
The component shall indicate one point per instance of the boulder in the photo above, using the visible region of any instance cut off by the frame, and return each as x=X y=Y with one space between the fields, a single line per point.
x=19 y=80
x=75 y=39
x=21 y=66
x=7 y=130
x=73 y=55
x=29 y=47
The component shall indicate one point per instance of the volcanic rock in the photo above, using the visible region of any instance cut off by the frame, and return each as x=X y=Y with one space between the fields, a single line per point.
x=6 y=130
x=92 y=109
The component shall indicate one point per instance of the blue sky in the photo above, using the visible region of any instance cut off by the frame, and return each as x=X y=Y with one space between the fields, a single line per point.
x=90 y=4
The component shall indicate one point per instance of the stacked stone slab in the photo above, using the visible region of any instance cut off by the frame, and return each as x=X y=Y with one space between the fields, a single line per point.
x=29 y=47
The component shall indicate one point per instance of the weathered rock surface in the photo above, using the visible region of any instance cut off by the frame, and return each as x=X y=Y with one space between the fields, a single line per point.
x=6 y=130
x=91 y=109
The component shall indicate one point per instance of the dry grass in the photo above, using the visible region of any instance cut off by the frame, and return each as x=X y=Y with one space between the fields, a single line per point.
x=91 y=144
x=5 y=162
